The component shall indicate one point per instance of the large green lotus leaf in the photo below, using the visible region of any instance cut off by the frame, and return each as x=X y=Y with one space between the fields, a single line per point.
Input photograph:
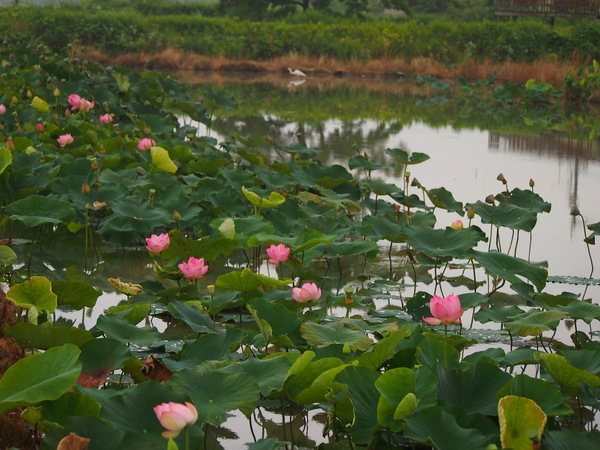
x=506 y=215
x=377 y=355
x=322 y=385
x=209 y=249
x=246 y=280
x=275 y=199
x=497 y=313
x=70 y=404
x=403 y=157
x=360 y=162
x=430 y=352
x=569 y=440
x=394 y=386
x=270 y=374
x=132 y=409
x=526 y=199
x=216 y=393
x=120 y=329
x=508 y=267
x=281 y=320
x=207 y=166
x=134 y=314
x=587 y=358
x=35 y=292
x=40 y=377
x=380 y=187
x=301 y=242
x=305 y=380
x=534 y=323
x=36 y=210
x=520 y=356
x=485 y=379
x=565 y=374
x=102 y=353
x=473 y=299
x=552 y=301
x=321 y=335
x=246 y=227
x=7 y=256
x=446 y=242
x=128 y=215
x=522 y=422
x=75 y=294
x=360 y=383
x=360 y=247
x=211 y=347
x=442 y=198
x=582 y=310
x=542 y=392
x=46 y=335
x=384 y=228
x=162 y=160
x=5 y=159
x=197 y=320
x=434 y=426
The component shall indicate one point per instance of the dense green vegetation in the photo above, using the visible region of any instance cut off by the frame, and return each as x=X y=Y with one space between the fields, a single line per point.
x=117 y=28
x=95 y=160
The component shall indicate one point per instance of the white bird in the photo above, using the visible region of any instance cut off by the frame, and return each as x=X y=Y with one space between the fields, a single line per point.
x=296 y=72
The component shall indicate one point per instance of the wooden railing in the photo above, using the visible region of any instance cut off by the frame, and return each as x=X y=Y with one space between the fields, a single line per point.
x=548 y=8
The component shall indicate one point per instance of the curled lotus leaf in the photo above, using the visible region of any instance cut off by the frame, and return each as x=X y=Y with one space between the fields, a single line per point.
x=522 y=422
x=275 y=199
x=125 y=288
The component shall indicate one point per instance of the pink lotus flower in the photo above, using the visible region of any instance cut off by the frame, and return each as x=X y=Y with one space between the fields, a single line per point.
x=85 y=105
x=278 y=253
x=175 y=417
x=158 y=243
x=2 y=109
x=194 y=268
x=74 y=101
x=39 y=127
x=65 y=139
x=145 y=144
x=457 y=224
x=444 y=310
x=106 y=119
x=307 y=293
x=78 y=102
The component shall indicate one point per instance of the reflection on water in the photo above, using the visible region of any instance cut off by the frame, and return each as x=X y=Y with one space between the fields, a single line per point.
x=465 y=158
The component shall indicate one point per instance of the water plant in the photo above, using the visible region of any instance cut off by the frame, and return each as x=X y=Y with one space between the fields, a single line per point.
x=236 y=339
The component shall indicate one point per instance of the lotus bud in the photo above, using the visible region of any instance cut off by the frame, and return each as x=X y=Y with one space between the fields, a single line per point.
x=531 y=183
x=56 y=92
x=471 y=213
x=29 y=94
x=10 y=144
x=140 y=171
x=176 y=216
x=2 y=109
x=457 y=224
x=211 y=289
x=67 y=112
x=14 y=99
x=490 y=199
x=85 y=189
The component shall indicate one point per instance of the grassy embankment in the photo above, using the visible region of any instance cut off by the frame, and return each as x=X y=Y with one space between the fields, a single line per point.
x=511 y=51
